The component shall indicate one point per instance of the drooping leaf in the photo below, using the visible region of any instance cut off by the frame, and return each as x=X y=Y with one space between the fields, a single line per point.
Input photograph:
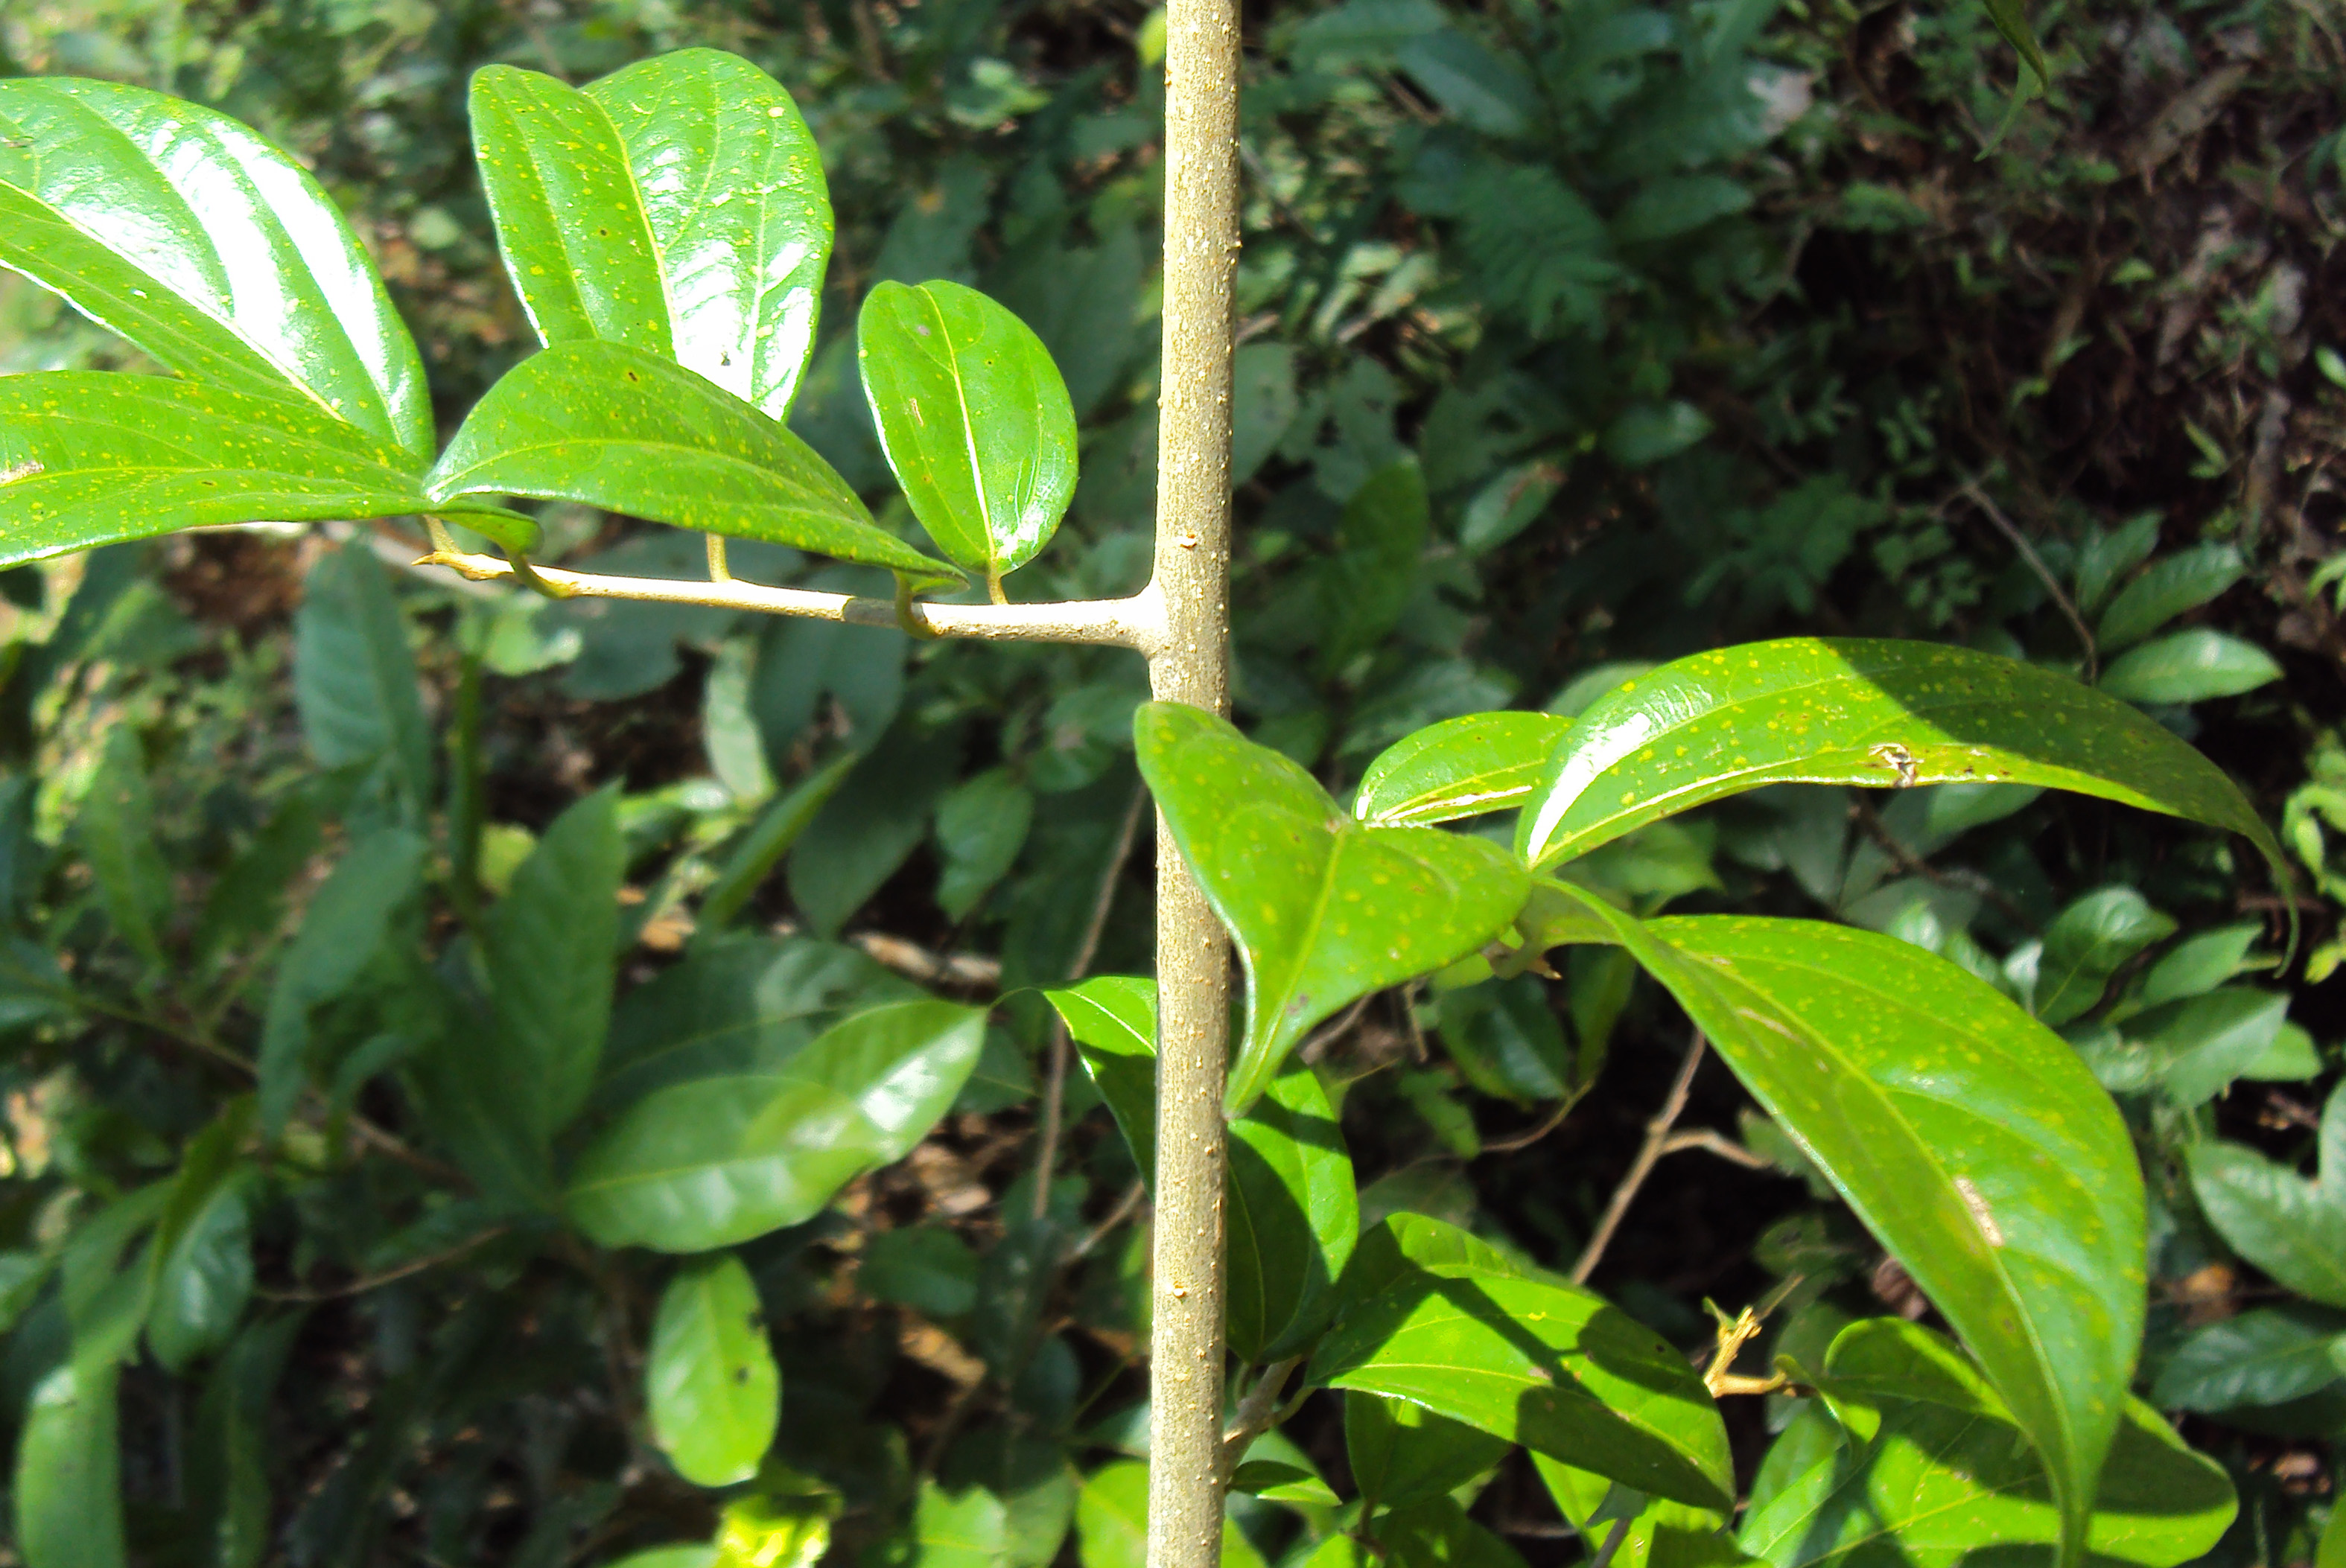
x=2266 y=1356
x=550 y=948
x=209 y=248
x=355 y=678
x=1435 y=1318
x=1458 y=767
x=871 y=825
x=715 y=1161
x=2188 y=667
x=1112 y=1018
x=777 y=829
x=677 y=204
x=90 y=458
x=1933 y=1470
x=1324 y=909
x=2086 y=944
x=1401 y=1454
x=1293 y=1219
x=711 y=1386
x=2181 y=582
x=1966 y=1136
x=2293 y=1229
x=610 y=426
x=974 y=418
x=1817 y=711
x=69 y=1481
x=1509 y=1043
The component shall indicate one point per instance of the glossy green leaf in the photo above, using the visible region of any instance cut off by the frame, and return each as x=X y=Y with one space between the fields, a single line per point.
x=1324 y=909
x=69 y=1481
x=2086 y=944
x=90 y=458
x=692 y=1555
x=1400 y=1453
x=1815 y=711
x=715 y=1161
x=204 y=1279
x=1112 y=1019
x=1458 y=767
x=115 y=825
x=344 y=929
x=2188 y=667
x=2181 y=582
x=1934 y=1471
x=677 y=206
x=1434 y=1318
x=2293 y=1229
x=1293 y=1219
x=1966 y=1136
x=2266 y=1356
x=210 y=249
x=550 y=948
x=2200 y=963
x=1509 y=1043
x=612 y=426
x=1112 y=1522
x=355 y=678
x=974 y=420
x=711 y=1386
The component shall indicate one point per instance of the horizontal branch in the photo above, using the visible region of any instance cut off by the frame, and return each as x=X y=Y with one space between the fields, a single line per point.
x=1136 y=622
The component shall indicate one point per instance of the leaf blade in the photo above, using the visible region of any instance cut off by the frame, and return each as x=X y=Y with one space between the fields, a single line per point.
x=712 y=1387
x=1461 y=766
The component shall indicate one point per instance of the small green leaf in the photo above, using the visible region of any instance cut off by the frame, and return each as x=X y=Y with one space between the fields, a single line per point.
x=1508 y=1042
x=1966 y=1136
x=2200 y=963
x=968 y=1531
x=974 y=417
x=712 y=1388
x=2199 y=1044
x=209 y=248
x=205 y=1278
x=777 y=829
x=116 y=828
x=550 y=947
x=924 y=1266
x=2189 y=666
x=1933 y=1470
x=1401 y=1453
x=2183 y=581
x=68 y=1483
x=90 y=458
x=2293 y=1229
x=1293 y=1218
x=613 y=426
x=1458 y=767
x=1113 y=1021
x=715 y=1161
x=2266 y=1356
x=1815 y=711
x=982 y=825
x=2011 y=19
x=1324 y=909
x=1435 y=1318
x=2086 y=944
x=354 y=677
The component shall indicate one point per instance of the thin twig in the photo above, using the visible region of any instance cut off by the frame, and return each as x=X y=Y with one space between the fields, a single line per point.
x=1658 y=1132
x=1257 y=1412
x=360 y=1286
x=1123 y=1210
x=1328 y=1034
x=1055 y=1092
x=1712 y=1143
x=1970 y=490
x=1526 y=1140
x=1612 y=1547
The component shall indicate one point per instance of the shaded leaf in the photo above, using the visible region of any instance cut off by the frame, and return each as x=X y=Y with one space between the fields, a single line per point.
x=1112 y=1019
x=982 y=825
x=1293 y=1219
x=2293 y=1229
x=2199 y=1044
x=2086 y=944
x=712 y=1388
x=2266 y=1356
x=2188 y=667
x=1401 y=1454
x=924 y=1266
x=116 y=828
x=2181 y=582
x=354 y=679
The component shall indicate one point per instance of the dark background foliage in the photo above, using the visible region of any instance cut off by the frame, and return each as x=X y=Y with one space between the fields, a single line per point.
x=1711 y=321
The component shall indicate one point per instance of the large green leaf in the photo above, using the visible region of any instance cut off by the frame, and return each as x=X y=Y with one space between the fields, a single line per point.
x=90 y=458
x=613 y=426
x=207 y=247
x=2293 y=1229
x=1113 y=1021
x=1324 y=908
x=711 y=1386
x=1293 y=1218
x=677 y=206
x=1435 y=1318
x=1458 y=767
x=1400 y=1453
x=717 y=1161
x=1932 y=1471
x=1968 y=1137
x=974 y=420
x=1816 y=711
x=68 y=1490
x=550 y=948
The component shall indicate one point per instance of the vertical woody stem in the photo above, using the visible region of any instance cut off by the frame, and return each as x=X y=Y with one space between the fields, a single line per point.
x=1193 y=959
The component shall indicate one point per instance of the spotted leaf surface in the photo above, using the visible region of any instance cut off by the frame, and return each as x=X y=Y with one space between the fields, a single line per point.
x=616 y=427
x=205 y=246
x=90 y=458
x=677 y=206
x=974 y=420
x=1465 y=767
x=1434 y=1318
x=1970 y=1138
x=1817 y=711
x=1324 y=908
